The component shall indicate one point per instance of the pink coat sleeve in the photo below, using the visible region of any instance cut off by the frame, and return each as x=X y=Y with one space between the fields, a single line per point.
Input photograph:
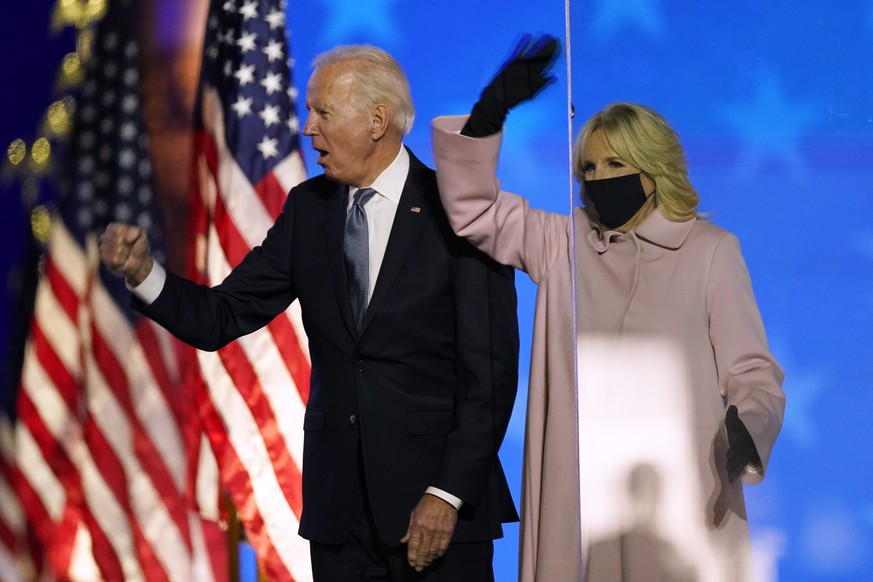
x=499 y=223
x=749 y=376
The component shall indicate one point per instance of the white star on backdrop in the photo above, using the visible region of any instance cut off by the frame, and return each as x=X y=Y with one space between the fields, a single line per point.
x=644 y=16
x=863 y=245
x=374 y=18
x=804 y=386
x=866 y=513
x=832 y=541
x=870 y=17
x=770 y=125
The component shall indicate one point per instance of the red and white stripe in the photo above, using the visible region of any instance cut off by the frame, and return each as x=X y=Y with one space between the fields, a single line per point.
x=17 y=564
x=255 y=389
x=99 y=448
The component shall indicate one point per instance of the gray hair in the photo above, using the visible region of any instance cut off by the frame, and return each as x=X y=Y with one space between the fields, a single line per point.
x=378 y=79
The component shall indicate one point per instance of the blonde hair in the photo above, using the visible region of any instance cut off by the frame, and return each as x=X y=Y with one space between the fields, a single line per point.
x=378 y=78
x=643 y=139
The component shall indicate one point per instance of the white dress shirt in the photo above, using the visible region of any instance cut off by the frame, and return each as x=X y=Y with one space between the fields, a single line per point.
x=381 y=209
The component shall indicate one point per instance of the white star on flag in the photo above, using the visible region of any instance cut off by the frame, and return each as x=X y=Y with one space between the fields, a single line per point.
x=245 y=74
x=268 y=147
x=247 y=42
x=273 y=50
x=242 y=106
x=249 y=10
x=276 y=19
x=270 y=115
x=272 y=83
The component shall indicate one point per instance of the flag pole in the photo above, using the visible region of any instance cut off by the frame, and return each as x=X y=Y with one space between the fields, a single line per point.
x=235 y=534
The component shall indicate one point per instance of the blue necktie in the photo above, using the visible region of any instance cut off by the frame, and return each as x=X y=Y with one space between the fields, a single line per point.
x=356 y=250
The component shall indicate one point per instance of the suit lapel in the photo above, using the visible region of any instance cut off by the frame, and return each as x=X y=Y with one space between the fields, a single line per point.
x=411 y=215
x=334 y=227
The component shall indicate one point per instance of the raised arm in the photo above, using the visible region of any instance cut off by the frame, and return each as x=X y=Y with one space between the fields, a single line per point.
x=255 y=291
x=466 y=150
x=500 y=224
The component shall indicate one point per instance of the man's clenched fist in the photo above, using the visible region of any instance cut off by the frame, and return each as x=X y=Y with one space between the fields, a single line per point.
x=124 y=249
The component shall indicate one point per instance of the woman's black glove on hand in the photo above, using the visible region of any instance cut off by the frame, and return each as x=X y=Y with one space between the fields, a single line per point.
x=741 y=448
x=521 y=77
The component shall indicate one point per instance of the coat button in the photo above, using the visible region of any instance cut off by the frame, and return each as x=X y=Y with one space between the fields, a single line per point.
x=353 y=419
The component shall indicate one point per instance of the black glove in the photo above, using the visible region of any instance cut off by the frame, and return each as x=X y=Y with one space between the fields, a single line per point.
x=521 y=77
x=741 y=448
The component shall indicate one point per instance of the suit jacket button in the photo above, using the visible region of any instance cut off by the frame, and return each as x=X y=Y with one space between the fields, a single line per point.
x=353 y=419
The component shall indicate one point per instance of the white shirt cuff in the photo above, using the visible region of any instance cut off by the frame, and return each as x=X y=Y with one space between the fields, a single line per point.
x=445 y=496
x=152 y=285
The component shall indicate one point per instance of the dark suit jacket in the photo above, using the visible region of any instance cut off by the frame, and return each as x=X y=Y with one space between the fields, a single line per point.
x=427 y=389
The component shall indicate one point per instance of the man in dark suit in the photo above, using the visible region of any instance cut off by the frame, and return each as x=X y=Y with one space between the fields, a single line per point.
x=414 y=351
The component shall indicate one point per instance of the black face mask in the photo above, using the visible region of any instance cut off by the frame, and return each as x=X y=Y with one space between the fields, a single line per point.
x=616 y=200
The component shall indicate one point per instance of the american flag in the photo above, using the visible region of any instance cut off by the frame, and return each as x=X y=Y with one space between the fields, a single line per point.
x=253 y=392
x=100 y=462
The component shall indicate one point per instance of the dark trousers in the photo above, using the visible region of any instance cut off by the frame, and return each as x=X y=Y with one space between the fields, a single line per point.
x=364 y=556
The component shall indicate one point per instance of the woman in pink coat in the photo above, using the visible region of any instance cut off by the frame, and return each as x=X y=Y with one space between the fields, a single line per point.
x=653 y=396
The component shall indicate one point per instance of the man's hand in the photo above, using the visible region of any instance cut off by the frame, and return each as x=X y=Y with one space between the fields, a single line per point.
x=124 y=249
x=431 y=525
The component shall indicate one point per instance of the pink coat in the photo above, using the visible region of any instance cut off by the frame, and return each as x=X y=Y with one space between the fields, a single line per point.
x=668 y=334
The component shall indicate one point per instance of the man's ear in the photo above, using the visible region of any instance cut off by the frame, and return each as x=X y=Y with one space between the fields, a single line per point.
x=380 y=117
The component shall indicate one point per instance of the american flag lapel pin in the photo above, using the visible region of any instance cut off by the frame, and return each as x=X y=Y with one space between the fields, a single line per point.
x=416 y=209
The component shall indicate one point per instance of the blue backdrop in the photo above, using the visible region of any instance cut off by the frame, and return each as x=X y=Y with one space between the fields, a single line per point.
x=774 y=104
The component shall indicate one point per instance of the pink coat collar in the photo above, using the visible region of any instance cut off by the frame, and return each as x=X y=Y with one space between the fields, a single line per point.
x=656 y=229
